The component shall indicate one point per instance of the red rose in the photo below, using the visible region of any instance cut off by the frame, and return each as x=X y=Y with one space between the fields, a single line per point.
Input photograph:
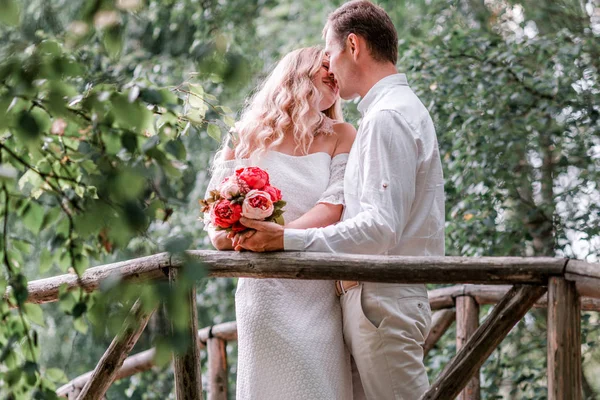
x=224 y=214
x=273 y=192
x=238 y=227
x=255 y=177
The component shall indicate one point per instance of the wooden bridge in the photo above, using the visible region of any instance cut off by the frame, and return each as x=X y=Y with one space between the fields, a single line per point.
x=514 y=284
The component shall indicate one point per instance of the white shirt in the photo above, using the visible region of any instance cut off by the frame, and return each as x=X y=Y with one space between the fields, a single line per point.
x=393 y=184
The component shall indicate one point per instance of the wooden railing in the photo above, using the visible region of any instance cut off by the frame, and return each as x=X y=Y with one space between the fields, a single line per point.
x=571 y=286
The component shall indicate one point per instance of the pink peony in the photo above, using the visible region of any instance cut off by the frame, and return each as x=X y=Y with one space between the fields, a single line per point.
x=274 y=192
x=257 y=205
x=229 y=189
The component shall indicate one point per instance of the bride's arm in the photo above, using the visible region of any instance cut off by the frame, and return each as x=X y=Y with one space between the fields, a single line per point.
x=220 y=240
x=325 y=213
x=321 y=215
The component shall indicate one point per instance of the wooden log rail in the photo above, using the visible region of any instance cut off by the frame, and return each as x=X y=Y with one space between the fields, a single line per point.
x=573 y=286
x=440 y=270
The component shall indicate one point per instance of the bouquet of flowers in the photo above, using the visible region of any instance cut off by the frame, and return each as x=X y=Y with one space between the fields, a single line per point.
x=247 y=193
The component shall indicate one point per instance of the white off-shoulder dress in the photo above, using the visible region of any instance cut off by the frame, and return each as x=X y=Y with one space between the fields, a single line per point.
x=290 y=341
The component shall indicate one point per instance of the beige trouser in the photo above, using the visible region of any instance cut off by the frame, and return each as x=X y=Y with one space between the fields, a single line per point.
x=385 y=326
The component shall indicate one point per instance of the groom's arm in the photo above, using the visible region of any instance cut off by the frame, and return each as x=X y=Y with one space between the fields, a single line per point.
x=390 y=156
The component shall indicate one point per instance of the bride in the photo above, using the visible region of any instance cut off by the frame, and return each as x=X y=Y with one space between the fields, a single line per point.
x=290 y=342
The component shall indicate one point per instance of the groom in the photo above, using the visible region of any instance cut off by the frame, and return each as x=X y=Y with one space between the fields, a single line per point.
x=394 y=199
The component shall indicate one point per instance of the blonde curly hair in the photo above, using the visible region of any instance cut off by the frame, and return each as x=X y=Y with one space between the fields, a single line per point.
x=287 y=102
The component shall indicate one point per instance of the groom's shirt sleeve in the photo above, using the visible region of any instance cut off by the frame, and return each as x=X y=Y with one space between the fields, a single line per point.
x=389 y=153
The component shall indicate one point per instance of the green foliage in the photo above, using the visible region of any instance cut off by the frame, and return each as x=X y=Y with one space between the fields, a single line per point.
x=94 y=151
x=108 y=115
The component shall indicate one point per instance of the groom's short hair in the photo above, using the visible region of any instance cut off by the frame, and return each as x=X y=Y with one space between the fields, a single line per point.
x=369 y=21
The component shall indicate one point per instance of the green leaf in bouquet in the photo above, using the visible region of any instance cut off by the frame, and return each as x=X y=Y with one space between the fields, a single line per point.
x=279 y=204
x=237 y=200
x=279 y=220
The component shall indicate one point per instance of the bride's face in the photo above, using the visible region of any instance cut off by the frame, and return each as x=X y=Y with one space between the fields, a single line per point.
x=326 y=85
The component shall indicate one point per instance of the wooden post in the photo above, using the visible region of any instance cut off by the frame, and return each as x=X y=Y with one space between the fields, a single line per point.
x=467 y=322
x=144 y=360
x=564 y=341
x=441 y=321
x=106 y=371
x=217 y=369
x=186 y=367
x=494 y=329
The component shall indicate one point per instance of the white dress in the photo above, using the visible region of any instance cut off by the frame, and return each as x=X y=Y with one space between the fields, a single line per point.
x=290 y=340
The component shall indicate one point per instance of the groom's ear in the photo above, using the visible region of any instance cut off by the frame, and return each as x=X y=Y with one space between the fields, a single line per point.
x=352 y=44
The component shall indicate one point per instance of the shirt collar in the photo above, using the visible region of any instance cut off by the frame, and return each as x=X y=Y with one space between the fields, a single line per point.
x=378 y=89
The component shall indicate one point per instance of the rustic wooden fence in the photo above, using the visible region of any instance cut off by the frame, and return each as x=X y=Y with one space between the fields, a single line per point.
x=514 y=284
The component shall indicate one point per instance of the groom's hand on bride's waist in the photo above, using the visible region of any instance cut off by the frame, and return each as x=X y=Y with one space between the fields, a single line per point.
x=268 y=237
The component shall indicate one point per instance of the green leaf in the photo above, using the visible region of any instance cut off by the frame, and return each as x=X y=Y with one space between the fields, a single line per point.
x=229 y=121
x=196 y=116
x=56 y=375
x=176 y=148
x=80 y=325
x=13 y=376
x=79 y=191
x=214 y=132
x=113 y=41
x=35 y=314
x=10 y=12
x=81 y=263
x=92 y=192
x=132 y=116
x=45 y=261
x=226 y=109
x=196 y=96
x=33 y=217
x=64 y=260
x=28 y=127
x=130 y=141
x=32 y=178
x=89 y=166
x=50 y=217
x=22 y=246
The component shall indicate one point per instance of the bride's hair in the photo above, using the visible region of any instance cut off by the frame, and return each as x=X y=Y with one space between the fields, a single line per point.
x=287 y=102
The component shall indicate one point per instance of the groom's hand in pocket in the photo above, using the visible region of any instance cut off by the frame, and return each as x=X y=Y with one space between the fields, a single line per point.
x=268 y=236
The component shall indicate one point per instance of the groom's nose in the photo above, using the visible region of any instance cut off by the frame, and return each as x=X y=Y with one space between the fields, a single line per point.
x=332 y=77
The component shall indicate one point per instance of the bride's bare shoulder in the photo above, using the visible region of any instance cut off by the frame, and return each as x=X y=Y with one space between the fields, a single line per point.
x=345 y=134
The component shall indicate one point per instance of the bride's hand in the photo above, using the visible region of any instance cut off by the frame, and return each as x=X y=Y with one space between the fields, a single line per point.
x=268 y=236
x=237 y=239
